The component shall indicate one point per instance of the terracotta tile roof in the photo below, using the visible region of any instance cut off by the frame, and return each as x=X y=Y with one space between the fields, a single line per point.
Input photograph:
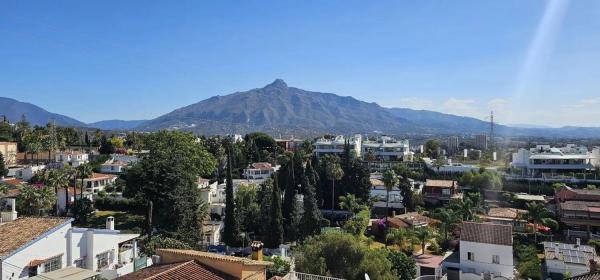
x=19 y=232
x=575 y=205
x=587 y=276
x=99 y=176
x=189 y=270
x=261 y=166
x=430 y=261
x=397 y=223
x=441 y=183
x=207 y=255
x=505 y=212
x=13 y=181
x=12 y=193
x=486 y=233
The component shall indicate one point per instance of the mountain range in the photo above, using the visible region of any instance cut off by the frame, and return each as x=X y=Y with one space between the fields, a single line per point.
x=280 y=109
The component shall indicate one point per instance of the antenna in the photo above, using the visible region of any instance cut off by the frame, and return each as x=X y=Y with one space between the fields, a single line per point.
x=492 y=146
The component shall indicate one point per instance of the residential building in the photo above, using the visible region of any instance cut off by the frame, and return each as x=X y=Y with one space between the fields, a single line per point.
x=481 y=142
x=74 y=194
x=429 y=265
x=259 y=171
x=113 y=167
x=544 y=160
x=440 y=191
x=581 y=218
x=27 y=172
x=335 y=146
x=190 y=264
x=506 y=216
x=290 y=145
x=211 y=232
x=379 y=194
x=573 y=259
x=566 y=193
x=39 y=245
x=453 y=143
x=98 y=182
x=69 y=273
x=450 y=167
x=486 y=251
x=386 y=149
x=587 y=276
x=9 y=152
x=72 y=158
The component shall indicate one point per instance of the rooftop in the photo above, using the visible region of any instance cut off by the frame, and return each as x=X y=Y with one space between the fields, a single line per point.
x=206 y=255
x=576 y=205
x=505 y=212
x=441 y=183
x=431 y=261
x=530 y=197
x=15 y=234
x=587 y=276
x=100 y=176
x=189 y=270
x=569 y=253
x=260 y=165
x=486 y=233
x=67 y=273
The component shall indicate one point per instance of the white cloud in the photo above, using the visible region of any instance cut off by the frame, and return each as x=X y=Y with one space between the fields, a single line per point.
x=497 y=104
x=463 y=107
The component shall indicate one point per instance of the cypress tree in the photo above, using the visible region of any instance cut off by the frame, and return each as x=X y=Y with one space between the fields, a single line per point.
x=230 y=232
x=275 y=237
x=311 y=219
x=3 y=170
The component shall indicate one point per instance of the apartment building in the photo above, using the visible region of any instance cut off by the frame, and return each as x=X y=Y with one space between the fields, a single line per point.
x=551 y=160
x=9 y=152
x=486 y=251
x=335 y=146
x=386 y=148
x=452 y=144
x=481 y=142
x=259 y=171
x=74 y=159
x=440 y=191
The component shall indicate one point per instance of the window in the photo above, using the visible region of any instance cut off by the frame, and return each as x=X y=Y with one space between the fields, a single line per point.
x=53 y=264
x=102 y=260
x=495 y=259
x=471 y=256
x=80 y=263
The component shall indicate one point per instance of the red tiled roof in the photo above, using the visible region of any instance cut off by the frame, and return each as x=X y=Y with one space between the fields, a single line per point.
x=261 y=165
x=587 y=276
x=486 y=233
x=430 y=261
x=13 y=181
x=505 y=212
x=441 y=183
x=98 y=176
x=19 y=232
x=189 y=270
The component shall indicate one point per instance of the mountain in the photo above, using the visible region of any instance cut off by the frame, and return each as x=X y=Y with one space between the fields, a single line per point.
x=116 y=124
x=436 y=122
x=14 y=109
x=277 y=108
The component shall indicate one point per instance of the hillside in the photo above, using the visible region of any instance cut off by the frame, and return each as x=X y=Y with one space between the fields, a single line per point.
x=14 y=109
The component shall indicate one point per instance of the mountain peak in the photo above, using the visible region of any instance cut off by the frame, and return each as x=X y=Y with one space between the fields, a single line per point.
x=278 y=83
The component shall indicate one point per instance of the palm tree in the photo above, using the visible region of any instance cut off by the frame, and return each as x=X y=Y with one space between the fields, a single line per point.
x=390 y=179
x=448 y=219
x=37 y=198
x=539 y=214
x=84 y=171
x=424 y=235
x=350 y=203
x=56 y=179
x=402 y=237
x=334 y=172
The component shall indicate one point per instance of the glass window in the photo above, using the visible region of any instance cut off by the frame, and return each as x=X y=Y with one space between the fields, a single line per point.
x=495 y=259
x=53 y=264
x=471 y=256
x=102 y=260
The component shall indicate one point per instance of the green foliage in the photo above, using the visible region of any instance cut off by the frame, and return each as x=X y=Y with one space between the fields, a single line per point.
x=311 y=218
x=595 y=243
x=333 y=172
x=479 y=181
x=122 y=204
x=403 y=266
x=339 y=254
x=82 y=211
x=35 y=200
x=3 y=169
x=275 y=231
x=351 y=204
x=248 y=209
x=529 y=266
x=280 y=266
x=358 y=224
x=161 y=242
x=231 y=230
x=167 y=176
x=431 y=148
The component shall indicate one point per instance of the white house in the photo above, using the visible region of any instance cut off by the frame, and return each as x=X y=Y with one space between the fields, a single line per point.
x=335 y=146
x=572 y=258
x=379 y=194
x=113 y=167
x=74 y=194
x=486 y=250
x=36 y=245
x=211 y=232
x=72 y=158
x=547 y=159
x=99 y=182
x=27 y=172
x=259 y=171
x=386 y=149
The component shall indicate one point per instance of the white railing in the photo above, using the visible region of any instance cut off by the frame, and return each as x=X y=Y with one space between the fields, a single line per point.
x=431 y=277
x=293 y=275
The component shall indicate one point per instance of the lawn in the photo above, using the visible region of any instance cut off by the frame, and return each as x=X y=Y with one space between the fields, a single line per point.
x=124 y=221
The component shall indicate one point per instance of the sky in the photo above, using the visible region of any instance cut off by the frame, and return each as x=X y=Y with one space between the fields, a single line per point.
x=532 y=62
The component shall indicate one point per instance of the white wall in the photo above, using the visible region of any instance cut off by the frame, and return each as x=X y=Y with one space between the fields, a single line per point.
x=483 y=258
x=557 y=266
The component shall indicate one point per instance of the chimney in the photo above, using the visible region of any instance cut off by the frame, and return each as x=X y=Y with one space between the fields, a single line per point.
x=110 y=223
x=578 y=242
x=257 y=250
x=593 y=265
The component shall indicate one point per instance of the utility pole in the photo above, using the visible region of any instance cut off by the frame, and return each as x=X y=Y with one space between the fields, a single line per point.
x=492 y=144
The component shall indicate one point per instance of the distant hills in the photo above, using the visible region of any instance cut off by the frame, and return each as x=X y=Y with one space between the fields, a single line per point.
x=280 y=109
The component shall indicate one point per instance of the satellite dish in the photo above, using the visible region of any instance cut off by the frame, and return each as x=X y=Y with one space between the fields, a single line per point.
x=367 y=277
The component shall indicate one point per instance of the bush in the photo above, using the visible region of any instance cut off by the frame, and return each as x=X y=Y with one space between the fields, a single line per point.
x=161 y=242
x=280 y=267
x=123 y=204
x=83 y=210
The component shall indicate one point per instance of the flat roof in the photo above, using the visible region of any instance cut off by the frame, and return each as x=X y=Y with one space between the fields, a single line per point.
x=67 y=273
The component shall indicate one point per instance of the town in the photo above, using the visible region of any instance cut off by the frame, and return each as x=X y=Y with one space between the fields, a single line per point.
x=92 y=204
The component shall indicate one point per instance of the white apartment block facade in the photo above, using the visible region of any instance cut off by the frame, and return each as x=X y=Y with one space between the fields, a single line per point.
x=336 y=146
x=547 y=159
x=74 y=159
x=387 y=149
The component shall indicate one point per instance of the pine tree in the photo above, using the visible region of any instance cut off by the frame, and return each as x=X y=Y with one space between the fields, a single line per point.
x=275 y=237
x=287 y=178
x=311 y=219
x=230 y=233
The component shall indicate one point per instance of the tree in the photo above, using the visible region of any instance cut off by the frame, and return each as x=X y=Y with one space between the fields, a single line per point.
x=401 y=237
x=529 y=265
x=280 y=267
x=351 y=204
x=311 y=219
x=32 y=143
x=35 y=199
x=106 y=146
x=247 y=209
x=358 y=223
x=83 y=172
x=56 y=179
x=448 y=220
x=403 y=266
x=540 y=215
x=3 y=169
x=424 y=235
x=333 y=172
x=163 y=242
x=390 y=180
x=50 y=141
x=431 y=148
x=167 y=176
x=342 y=255
x=275 y=236
x=231 y=231
x=82 y=211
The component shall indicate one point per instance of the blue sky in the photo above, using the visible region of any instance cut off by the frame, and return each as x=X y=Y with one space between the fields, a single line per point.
x=533 y=62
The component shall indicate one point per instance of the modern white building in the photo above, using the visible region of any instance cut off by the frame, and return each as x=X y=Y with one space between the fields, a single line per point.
x=27 y=172
x=547 y=159
x=335 y=146
x=37 y=245
x=562 y=258
x=481 y=142
x=486 y=251
x=259 y=171
x=211 y=232
x=98 y=182
x=386 y=149
x=72 y=158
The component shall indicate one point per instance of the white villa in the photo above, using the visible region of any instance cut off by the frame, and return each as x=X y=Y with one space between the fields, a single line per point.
x=259 y=171
x=27 y=172
x=486 y=250
x=98 y=182
x=387 y=149
x=564 y=258
x=336 y=146
x=547 y=159
x=72 y=158
x=40 y=245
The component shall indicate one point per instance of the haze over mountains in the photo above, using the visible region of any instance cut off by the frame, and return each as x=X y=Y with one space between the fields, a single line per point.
x=280 y=109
